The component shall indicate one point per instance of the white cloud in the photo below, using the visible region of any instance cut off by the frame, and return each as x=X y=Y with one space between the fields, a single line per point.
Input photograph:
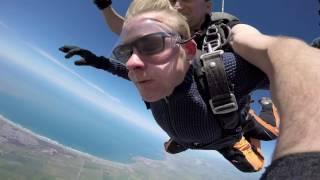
x=106 y=102
x=16 y=51
x=55 y=61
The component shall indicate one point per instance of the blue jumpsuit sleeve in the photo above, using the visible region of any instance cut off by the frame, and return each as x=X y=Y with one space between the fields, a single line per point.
x=116 y=68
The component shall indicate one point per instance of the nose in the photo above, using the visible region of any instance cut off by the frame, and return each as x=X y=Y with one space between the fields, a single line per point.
x=135 y=62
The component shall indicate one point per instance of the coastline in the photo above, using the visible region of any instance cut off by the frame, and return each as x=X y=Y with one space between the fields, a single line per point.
x=27 y=155
x=58 y=145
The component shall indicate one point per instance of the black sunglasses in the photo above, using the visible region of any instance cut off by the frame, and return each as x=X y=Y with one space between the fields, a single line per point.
x=147 y=45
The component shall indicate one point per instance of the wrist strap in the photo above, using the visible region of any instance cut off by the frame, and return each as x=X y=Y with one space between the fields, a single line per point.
x=102 y=4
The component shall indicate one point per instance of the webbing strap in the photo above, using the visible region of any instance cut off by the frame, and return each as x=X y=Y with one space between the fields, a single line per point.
x=211 y=77
x=222 y=100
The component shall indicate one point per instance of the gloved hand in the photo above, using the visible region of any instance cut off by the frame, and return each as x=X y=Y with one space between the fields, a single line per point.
x=87 y=57
x=102 y=4
x=173 y=147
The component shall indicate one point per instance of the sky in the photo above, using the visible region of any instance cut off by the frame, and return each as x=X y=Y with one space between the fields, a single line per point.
x=32 y=69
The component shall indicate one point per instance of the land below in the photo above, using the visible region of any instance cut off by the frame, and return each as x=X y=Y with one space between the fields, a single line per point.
x=27 y=156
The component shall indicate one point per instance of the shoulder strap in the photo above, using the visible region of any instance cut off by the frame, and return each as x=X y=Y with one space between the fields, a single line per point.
x=222 y=100
x=213 y=79
x=223 y=17
x=224 y=22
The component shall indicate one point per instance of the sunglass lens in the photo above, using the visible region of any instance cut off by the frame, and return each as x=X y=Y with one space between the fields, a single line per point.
x=122 y=53
x=151 y=44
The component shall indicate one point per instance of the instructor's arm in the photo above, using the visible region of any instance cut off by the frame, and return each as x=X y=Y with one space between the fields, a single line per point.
x=293 y=68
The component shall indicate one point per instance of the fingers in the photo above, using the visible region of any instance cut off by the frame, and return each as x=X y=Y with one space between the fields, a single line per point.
x=70 y=50
x=67 y=48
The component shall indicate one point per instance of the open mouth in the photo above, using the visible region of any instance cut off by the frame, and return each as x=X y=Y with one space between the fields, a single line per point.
x=144 y=82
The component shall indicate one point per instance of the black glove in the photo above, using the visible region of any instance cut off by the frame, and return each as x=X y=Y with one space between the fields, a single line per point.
x=87 y=57
x=102 y=4
x=173 y=147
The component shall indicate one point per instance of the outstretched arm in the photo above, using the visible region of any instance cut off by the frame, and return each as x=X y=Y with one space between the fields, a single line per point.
x=90 y=59
x=293 y=69
x=112 y=18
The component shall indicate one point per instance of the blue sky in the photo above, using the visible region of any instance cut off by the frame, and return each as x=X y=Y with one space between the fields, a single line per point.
x=33 y=71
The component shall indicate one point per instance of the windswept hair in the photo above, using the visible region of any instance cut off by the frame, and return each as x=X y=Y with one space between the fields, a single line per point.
x=163 y=12
x=138 y=6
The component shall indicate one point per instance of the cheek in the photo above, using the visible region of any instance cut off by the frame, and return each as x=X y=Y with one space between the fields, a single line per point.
x=176 y=71
x=165 y=77
x=131 y=75
x=199 y=10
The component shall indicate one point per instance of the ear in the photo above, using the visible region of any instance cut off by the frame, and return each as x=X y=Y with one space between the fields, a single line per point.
x=190 y=48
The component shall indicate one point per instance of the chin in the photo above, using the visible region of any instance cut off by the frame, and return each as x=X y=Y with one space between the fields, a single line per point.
x=151 y=99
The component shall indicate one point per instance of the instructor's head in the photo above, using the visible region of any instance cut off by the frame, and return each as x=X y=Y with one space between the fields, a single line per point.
x=194 y=10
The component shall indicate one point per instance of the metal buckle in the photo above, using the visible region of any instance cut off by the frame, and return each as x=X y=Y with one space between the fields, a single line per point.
x=212 y=45
x=210 y=55
x=225 y=108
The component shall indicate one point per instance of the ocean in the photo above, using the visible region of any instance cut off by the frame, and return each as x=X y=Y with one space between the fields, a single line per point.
x=83 y=129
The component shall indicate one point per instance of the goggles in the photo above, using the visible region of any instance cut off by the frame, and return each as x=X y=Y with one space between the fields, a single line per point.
x=147 y=45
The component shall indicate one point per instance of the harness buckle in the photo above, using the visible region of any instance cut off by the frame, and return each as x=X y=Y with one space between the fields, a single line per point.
x=212 y=40
x=210 y=55
x=225 y=108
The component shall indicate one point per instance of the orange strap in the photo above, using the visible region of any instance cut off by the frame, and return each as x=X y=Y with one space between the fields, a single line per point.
x=276 y=115
x=254 y=158
x=274 y=130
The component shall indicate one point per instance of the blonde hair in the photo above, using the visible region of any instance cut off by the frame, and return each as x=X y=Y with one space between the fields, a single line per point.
x=168 y=16
x=144 y=5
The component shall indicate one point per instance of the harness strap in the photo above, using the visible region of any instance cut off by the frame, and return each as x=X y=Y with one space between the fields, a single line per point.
x=221 y=99
x=213 y=80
